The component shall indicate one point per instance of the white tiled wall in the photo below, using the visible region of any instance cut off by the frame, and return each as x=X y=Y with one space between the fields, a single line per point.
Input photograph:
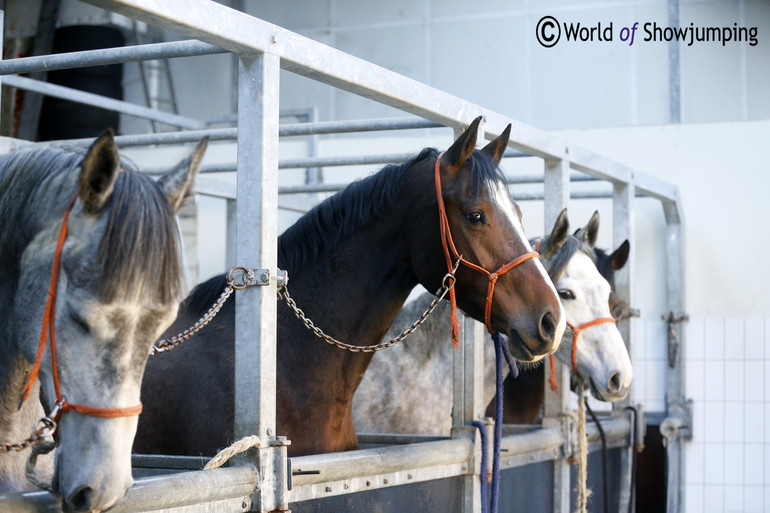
x=727 y=366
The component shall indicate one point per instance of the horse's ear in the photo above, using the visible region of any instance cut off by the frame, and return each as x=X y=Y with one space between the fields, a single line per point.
x=496 y=148
x=590 y=232
x=558 y=236
x=619 y=257
x=454 y=158
x=98 y=172
x=177 y=184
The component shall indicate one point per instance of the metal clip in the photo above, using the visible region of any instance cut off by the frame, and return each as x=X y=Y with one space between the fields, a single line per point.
x=241 y=277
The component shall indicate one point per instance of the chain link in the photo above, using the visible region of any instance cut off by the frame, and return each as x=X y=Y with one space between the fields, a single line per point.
x=44 y=428
x=446 y=285
x=167 y=344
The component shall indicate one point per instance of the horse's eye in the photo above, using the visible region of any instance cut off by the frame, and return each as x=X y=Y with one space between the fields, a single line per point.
x=474 y=217
x=566 y=294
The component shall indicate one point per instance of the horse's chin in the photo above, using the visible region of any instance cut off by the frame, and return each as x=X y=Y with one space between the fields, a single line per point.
x=605 y=396
x=519 y=349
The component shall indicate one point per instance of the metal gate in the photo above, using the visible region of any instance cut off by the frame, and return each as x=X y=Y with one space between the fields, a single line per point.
x=264 y=480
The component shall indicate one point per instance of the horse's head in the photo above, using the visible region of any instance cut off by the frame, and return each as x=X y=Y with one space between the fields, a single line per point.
x=118 y=287
x=512 y=297
x=607 y=265
x=601 y=355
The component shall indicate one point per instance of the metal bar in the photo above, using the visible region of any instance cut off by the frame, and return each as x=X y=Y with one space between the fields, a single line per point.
x=362 y=125
x=468 y=402
x=287 y=130
x=256 y=244
x=257 y=232
x=154 y=493
x=103 y=102
x=675 y=376
x=674 y=70
x=241 y=33
x=370 y=469
x=557 y=192
x=623 y=229
x=104 y=56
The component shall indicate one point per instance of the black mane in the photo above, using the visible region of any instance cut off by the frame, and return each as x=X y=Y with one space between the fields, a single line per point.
x=338 y=217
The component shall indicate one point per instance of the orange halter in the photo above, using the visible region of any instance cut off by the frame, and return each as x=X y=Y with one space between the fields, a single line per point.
x=575 y=333
x=48 y=326
x=450 y=251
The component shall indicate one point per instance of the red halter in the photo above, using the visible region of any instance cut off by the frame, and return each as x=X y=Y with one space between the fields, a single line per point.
x=451 y=253
x=575 y=332
x=48 y=325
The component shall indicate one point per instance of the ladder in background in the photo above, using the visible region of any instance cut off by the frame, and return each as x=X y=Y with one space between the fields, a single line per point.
x=157 y=84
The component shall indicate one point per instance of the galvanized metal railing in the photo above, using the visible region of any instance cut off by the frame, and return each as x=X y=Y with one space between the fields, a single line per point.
x=263 y=50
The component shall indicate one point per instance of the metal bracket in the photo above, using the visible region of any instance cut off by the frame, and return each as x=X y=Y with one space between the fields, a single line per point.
x=678 y=423
x=674 y=336
x=242 y=277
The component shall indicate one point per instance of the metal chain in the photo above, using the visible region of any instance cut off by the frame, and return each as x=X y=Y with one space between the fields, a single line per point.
x=446 y=285
x=44 y=428
x=167 y=344
x=249 y=278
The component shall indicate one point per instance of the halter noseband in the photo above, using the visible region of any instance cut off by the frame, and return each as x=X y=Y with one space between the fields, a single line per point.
x=450 y=252
x=575 y=333
x=49 y=316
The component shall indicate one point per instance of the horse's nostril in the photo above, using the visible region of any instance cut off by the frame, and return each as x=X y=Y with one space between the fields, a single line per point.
x=613 y=384
x=547 y=327
x=80 y=500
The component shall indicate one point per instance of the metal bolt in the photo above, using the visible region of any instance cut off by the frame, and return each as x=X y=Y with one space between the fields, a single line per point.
x=409 y=476
x=328 y=488
x=368 y=483
x=347 y=486
x=244 y=505
x=384 y=481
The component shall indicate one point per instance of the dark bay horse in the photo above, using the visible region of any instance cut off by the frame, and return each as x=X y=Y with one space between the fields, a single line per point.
x=117 y=289
x=405 y=388
x=352 y=262
x=524 y=395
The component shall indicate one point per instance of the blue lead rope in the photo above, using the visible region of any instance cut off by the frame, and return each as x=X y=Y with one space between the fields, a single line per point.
x=498 y=421
x=501 y=350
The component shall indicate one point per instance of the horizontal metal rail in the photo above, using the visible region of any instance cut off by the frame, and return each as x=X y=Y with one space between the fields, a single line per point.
x=146 y=52
x=154 y=493
x=103 y=102
x=287 y=130
x=370 y=469
x=240 y=33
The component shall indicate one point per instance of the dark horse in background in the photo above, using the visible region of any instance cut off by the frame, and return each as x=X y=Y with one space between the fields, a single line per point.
x=118 y=288
x=352 y=262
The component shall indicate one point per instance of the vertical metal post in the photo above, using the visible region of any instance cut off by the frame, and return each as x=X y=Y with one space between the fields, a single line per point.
x=231 y=235
x=468 y=393
x=677 y=411
x=256 y=247
x=674 y=72
x=468 y=390
x=623 y=196
x=2 y=38
x=556 y=183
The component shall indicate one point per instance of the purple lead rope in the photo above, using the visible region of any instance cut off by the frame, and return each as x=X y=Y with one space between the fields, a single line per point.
x=501 y=350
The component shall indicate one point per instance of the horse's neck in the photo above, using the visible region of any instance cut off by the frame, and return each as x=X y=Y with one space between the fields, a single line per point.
x=354 y=295
x=16 y=423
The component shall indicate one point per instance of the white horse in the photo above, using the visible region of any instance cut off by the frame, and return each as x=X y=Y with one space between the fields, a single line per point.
x=407 y=388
